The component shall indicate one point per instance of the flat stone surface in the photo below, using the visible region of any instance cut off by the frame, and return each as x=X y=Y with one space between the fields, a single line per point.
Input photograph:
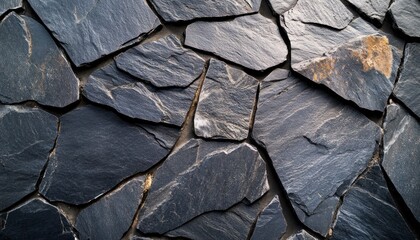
x=226 y=103
x=282 y=6
x=302 y=235
x=252 y=41
x=33 y=68
x=183 y=187
x=370 y=71
x=163 y=63
x=331 y=13
x=185 y=10
x=374 y=9
x=406 y=15
x=96 y=150
x=402 y=155
x=90 y=29
x=35 y=219
x=318 y=145
x=408 y=86
x=270 y=223
x=111 y=216
x=133 y=98
x=6 y=5
x=367 y=208
x=26 y=138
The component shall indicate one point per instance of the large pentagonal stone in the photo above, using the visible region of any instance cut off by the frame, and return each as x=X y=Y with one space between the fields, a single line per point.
x=406 y=15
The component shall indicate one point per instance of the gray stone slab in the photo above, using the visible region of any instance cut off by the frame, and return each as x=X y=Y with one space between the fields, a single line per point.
x=282 y=6
x=374 y=9
x=90 y=29
x=6 y=5
x=302 y=235
x=406 y=15
x=33 y=68
x=252 y=41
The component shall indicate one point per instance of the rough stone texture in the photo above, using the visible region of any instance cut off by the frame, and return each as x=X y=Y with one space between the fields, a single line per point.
x=302 y=235
x=282 y=6
x=406 y=15
x=402 y=155
x=90 y=29
x=331 y=13
x=252 y=41
x=163 y=63
x=367 y=208
x=6 y=5
x=270 y=223
x=185 y=10
x=32 y=67
x=226 y=103
x=374 y=9
x=183 y=187
x=111 y=216
x=369 y=75
x=96 y=150
x=35 y=219
x=26 y=138
x=133 y=98
x=317 y=144
x=408 y=86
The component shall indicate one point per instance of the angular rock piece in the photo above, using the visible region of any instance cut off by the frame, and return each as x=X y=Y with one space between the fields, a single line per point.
x=26 y=138
x=374 y=9
x=402 y=155
x=302 y=235
x=35 y=219
x=96 y=150
x=226 y=102
x=367 y=208
x=185 y=10
x=271 y=223
x=33 y=68
x=133 y=98
x=111 y=216
x=282 y=6
x=6 y=5
x=184 y=186
x=408 y=85
x=406 y=15
x=331 y=13
x=362 y=71
x=90 y=29
x=318 y=145
x=252 y=41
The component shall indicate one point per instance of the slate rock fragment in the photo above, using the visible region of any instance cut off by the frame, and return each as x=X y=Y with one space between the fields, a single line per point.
x=111 y=216
x=26 y=138
x=362 y=70
x=35 y=219
x=406 y=15
x=90 y=29
x=282 y=6
x=367 y=208
x=318 y=145
x=408 y=86
x=226 y=103
x=33 y=68
x=185 y=10
x=374 y=9
x=96 y=150
x=401 y=159
x=184 y=186
x=302 y=235
x=252 y=41
x=6 y=5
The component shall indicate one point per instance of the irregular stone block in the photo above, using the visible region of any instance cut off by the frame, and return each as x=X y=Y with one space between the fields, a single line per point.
x=406 y=15
x=374 y=9
x=282 y=6
x=6 y=5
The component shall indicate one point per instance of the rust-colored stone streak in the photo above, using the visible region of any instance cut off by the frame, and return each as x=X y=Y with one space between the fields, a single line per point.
x=323 y=68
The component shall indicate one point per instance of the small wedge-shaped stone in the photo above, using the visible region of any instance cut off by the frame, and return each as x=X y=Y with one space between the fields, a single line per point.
x=374 y=9
x=35 y=219
x=111 y=216
x=26 y=138
x=408 y=85
x=252 y=41
x=184 y=10
x=96 y=150
x=402 y=155
x=318 y=145
x=331 y=13
x=32 y=66
x=6 y=5
x=362 y=71
x=163 y=63
x=226 y=102
x=406 y=15
x=184 y=186
x=302 y=235
x=282 y=6
x=368 y=212
x=90 y=29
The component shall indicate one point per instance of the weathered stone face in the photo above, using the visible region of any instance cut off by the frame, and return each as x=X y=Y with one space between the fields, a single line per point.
x=406 y=16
